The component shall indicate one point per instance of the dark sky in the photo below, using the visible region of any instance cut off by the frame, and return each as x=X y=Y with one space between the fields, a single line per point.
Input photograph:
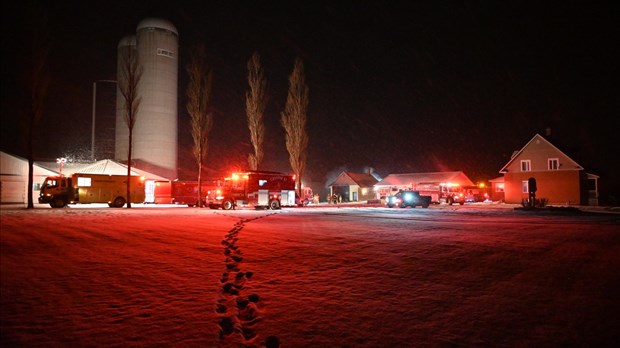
x=399 y=86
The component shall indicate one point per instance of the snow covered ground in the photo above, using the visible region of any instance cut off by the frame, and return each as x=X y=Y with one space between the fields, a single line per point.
x=312 y=277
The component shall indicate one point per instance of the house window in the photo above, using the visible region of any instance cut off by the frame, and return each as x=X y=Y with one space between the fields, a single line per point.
x=83 y=182
x=526 y=165
x=524 y=187
x=553 y=164
x=499 y=187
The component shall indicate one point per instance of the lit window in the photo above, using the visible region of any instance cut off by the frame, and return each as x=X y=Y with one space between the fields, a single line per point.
x=526 y=165
x=525 y=187
x=83 y=182
x=553 y=164
x=499 y=187
x=261 y=183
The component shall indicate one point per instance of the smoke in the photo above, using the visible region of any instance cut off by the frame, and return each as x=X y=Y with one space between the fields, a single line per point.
x=332 y=175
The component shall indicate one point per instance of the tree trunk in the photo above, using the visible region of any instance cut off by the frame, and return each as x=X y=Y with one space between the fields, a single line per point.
x=129 y=170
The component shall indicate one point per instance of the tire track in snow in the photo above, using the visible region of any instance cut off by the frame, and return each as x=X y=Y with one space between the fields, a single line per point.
x=237 y=308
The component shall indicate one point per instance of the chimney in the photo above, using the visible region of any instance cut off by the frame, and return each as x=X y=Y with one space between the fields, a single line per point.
x=548 y=132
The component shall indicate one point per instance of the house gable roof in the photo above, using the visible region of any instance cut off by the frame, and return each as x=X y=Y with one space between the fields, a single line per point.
x=359 y=179
x=538 y=139
x=420 y=178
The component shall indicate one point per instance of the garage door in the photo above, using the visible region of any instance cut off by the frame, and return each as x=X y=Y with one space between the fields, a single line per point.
x=12 y=192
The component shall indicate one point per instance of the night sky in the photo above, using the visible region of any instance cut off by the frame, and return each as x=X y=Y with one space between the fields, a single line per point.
x=394 y=86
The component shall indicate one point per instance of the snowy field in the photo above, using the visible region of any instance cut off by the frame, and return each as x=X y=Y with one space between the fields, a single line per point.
x=312 y=277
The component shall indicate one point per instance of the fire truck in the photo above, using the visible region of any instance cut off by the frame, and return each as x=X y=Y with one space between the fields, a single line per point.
x=59 y=191
x=448 y=193
x=259 y=189
x=157 y=192
x=186 y=192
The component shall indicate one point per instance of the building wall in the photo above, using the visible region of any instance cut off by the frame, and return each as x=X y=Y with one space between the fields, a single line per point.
x=558 y=187
x=14 y=179
x=497 y=191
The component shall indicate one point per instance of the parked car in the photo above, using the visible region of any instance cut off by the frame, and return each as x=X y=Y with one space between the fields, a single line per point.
x=474 y=194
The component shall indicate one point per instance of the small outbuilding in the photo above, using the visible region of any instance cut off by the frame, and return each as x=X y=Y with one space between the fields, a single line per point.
x=14 y=179
x=353 y=187
x=14 y=175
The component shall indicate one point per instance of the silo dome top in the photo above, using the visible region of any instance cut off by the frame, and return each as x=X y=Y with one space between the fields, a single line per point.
x=157 y=23
x=129 y=40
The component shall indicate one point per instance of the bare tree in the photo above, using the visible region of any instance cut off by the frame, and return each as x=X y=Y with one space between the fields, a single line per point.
x=198 y=97
x=129 y=79
x=38 y=82
x=294 y=119
x=255 y=104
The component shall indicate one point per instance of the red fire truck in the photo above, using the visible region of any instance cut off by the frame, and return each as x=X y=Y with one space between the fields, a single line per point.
x=448 y=193
x=259 y=189
x=186 y=192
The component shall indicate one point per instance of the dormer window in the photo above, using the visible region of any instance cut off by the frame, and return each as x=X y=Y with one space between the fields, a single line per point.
x=526 y=165
x=553 y=164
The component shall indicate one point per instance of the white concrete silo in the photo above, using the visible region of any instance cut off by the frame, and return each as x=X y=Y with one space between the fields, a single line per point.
x=155 y=139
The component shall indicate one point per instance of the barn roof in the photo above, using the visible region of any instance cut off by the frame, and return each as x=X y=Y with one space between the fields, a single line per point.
x=421 y=178
x=106 y=166
x=359 y=179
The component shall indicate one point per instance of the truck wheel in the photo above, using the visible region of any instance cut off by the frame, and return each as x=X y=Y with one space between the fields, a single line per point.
x=58 y=202
x=227 y=204
x=390 y=205
x=119 y=202
x=274 y=204
x=424 y=205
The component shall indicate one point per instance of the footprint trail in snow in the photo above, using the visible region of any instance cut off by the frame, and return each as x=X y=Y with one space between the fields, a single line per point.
x=238 y=308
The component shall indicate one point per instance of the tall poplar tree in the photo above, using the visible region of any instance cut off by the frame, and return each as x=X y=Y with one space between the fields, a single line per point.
x=255 y=104
x=294 y=119
x=198 y=97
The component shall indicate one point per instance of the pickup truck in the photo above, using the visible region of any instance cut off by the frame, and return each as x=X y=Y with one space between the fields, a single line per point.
x=408 y=199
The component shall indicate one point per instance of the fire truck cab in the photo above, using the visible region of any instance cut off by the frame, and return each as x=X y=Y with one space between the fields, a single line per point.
x=259 y=189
